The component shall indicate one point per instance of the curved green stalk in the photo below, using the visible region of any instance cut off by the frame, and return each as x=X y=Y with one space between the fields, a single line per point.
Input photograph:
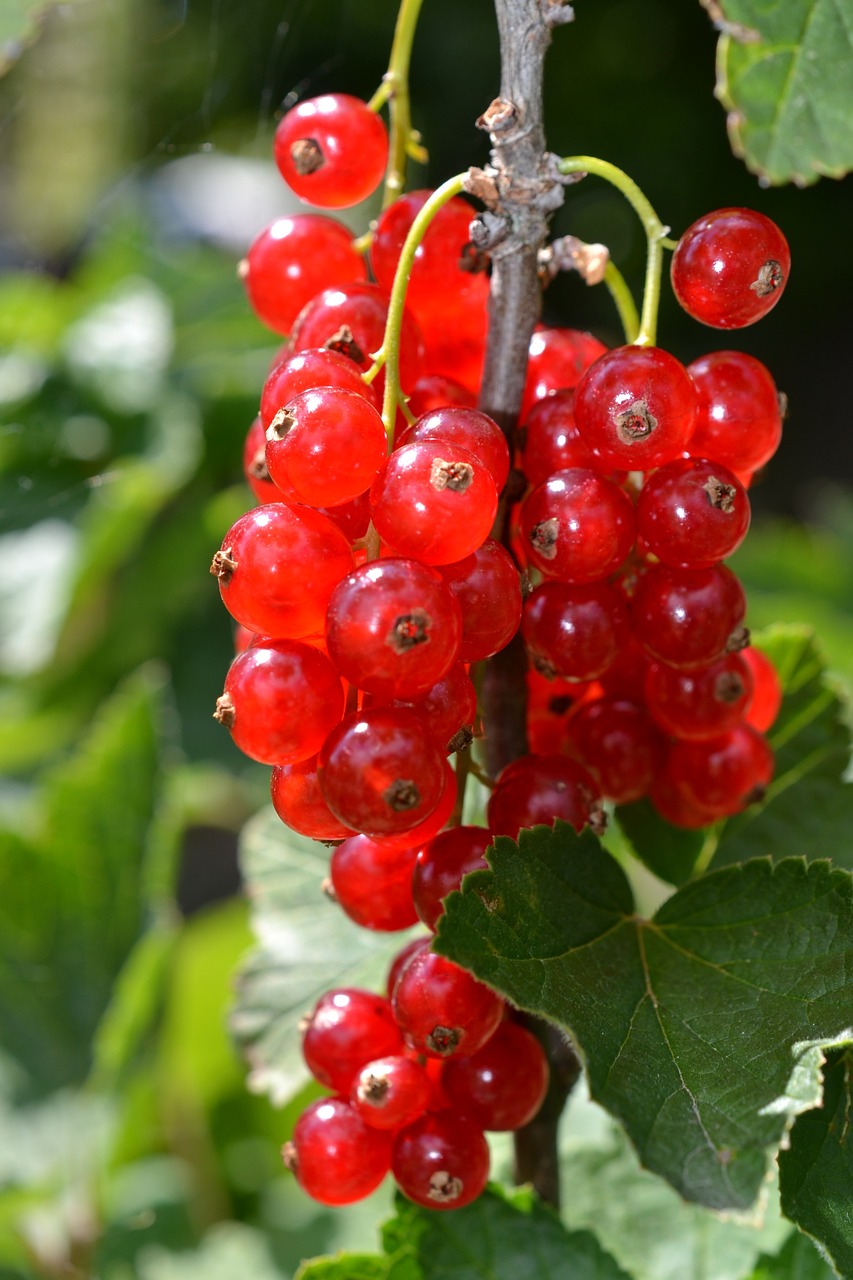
x=394 y=90
x=389 y=353
x=624 y=299
x=655 y=230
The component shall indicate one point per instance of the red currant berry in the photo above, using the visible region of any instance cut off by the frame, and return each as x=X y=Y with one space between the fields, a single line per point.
x=390 y=1093
x=692 y=513
x=576 y=632
x=767 y=692
x=336 y=1158
x=436 y=391
x=725 y=774
x=433 y=501
x=446 y=708
x=473 y=430
x=298 y=801
x=441 y=1161
x=730 y=267
x=381 y=771
x=439 y=868
x=672 y=804
x=326 y=446
x=536 y=790
x=738 y=414
x=552 y=441
x=443 y=1010
x=578 y=526
x=303 y=372
x=373 y=884
x=424 y=831
x=619 y=743
x=332 y=150
x=347 y=1028
x=688 y=618
x=487 y=586
x=281 y=699
x=393 y=628
x=635 y=408
x=501 y=1086
x=277 y=568
x=700 y=704
x=402 y=958
x=292 y=260
x=557 y=360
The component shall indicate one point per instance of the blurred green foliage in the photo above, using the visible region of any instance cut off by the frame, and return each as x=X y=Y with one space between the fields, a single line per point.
x=130 y=369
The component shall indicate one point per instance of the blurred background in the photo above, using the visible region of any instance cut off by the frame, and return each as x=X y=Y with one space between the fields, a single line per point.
x=135 y=168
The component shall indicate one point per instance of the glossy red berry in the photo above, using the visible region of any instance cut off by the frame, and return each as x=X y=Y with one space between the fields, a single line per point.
x=692 y=513
x=391 y=1092
x=730 y=267
x=703 y=703
x=292 y=260
x=551 y=438
x=502 y=1086
x=281 y=699
x=332 y=150
x=441 y=1161
x=619 y=743
x=393 y=628
x=487 y=586
x=436 y=391
x=475 y=431
x=767 y=693
x=725 y=774
x=305 y=370
x=537 y=790
x=448 y=706
x=381 y=772
x=277 y=568
x=347 y=1028
x=255 y=467
x=336 y=1158
x=441 y=1009
x=298 y=801
x=576 y=632
x=557 y=359
x=689 y=618
x=578 y=526
x=326 y=446
x=738 y=413
x=372 y=884
x=635 y=408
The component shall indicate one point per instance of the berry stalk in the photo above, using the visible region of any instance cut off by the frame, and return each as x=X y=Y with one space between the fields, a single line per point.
x=655 y=230
x=404 y=140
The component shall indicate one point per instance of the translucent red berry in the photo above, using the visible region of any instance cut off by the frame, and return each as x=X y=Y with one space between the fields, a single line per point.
x=292 y=260
x=692 y=513
x=725 y=774
x=347 y=1028
x=391 y=1092
x=336 y=1158
x=439 y=868
x=298 y=801
x=688 y=618
x=441 y=1009
x=487 y=586
x=730 y=267
x=738 y=413
x=326 y=446
x=537 y=790
x=332 y=150
x=576 y=632
x=703 y=703
x=619 y=743
x=578 y=526
x=373 y=884
x=441 y=1161
x=502 y=1086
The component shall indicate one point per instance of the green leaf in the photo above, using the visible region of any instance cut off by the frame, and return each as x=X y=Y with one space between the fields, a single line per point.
x=345 y=1266
x=307 y=946
x=816 y=1170
x=20 y=21
x=798 y=1260
x=701 y=1028
x=136 y=1001
x=71 y=902
x=808 y=809
x=783 y=75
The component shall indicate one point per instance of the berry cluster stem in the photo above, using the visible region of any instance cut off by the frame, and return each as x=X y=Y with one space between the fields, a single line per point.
x=388 y=354
x=404 y=141
x=656 y=234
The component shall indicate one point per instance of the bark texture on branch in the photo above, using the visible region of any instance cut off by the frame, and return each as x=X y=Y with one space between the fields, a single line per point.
x=521 y=190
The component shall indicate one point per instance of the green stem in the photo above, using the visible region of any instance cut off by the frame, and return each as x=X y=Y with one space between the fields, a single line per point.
x=389 y=353
x=403 y=141
x=655 y=230
x=624 y=300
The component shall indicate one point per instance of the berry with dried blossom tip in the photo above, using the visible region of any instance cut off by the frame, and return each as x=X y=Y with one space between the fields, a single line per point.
x=277 y=568
x=723 y=775
x=692 y=513
x=578 y=526
x=501 y=1086
x=688 y=618
x=635 y=408
x=326 y=446
x=448 y=709
x=441 y=1161
x=393 y=628
x=475 y=431
x=292 y=260
x=433 y=501
x=730 y=267
x=336 y=1158
x=281 y=700
x=332 y=150
x=347 y=1028
x=390 y=1093
x=381 y=772
x=305 y=370
x=443 y=1010
x=551 y=440
x=694 y=705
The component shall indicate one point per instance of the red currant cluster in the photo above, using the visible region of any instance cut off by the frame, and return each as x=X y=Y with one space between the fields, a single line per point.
x=365 y=585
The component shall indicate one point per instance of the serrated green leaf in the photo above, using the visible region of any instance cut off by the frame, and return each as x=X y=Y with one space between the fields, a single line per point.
x=307 y=945
x=798 y=1260
x=784 y=75
x=500 y=1236
x=71 y=904
x=816 y=1170
x=701 y=1028
x=346 y=1266
x=808 y=810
